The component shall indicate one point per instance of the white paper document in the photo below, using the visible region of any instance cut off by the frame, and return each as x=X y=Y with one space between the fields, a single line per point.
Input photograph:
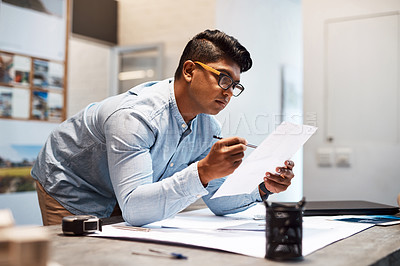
x=278 y=147
x=238 y=233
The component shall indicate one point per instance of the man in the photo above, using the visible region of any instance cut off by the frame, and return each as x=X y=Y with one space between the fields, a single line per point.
x=151 y=149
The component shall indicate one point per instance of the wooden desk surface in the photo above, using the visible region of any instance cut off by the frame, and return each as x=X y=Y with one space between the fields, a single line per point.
x=374 y=246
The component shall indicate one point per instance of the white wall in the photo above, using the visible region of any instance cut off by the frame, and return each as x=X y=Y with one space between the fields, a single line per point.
x=374 y=170
x=271 y=31
x=88 y=73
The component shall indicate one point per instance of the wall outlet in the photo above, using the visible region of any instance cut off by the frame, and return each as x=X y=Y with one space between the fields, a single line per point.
x=325 y=157
x=343 y=157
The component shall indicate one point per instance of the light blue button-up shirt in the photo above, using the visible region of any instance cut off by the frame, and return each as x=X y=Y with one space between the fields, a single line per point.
x=137 y=149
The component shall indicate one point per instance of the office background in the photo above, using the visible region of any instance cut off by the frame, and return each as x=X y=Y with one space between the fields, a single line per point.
x=294 y=45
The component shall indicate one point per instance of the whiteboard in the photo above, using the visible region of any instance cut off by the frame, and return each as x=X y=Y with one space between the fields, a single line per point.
x=34 y=33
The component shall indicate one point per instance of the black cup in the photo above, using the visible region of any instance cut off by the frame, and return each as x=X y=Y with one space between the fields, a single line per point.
x=284 y=231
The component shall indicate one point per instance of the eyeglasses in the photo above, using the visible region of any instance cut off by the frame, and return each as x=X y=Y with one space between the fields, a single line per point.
x=224 y=81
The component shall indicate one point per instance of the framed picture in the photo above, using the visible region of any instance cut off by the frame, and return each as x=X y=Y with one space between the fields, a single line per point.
x=55 y=103
x=14 y=69
x=40 y=105
x=21 y=70
x=16 y=161
x=5 y=102
x=40 y=73
x=55 y=76
x=19 y=147
x=6 y=64
x=14 y=102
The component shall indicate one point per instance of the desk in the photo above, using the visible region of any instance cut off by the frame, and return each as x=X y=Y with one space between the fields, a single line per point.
x=375 y=246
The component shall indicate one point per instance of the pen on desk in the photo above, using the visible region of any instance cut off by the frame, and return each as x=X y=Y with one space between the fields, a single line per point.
x=173 y=255
x=161 y=253
x=248 y=145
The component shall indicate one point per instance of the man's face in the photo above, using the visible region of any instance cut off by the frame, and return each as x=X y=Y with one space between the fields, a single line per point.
x=205 y=93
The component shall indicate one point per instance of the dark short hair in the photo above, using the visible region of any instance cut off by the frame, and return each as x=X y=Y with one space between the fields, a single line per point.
x=211 y=46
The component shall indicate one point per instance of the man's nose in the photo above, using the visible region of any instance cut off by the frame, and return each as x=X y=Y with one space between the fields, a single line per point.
x=228 y=92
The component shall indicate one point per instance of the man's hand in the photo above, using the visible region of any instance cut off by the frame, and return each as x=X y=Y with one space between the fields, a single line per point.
x=224 y=157
x=281 y=180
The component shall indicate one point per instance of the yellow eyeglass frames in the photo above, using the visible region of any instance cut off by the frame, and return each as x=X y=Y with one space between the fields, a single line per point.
x=224 y=81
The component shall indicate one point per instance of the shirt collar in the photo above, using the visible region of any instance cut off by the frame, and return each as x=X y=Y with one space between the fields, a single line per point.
x=175 y=110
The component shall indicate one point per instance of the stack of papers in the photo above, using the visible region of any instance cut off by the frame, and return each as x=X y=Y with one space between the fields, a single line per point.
x=239 y=233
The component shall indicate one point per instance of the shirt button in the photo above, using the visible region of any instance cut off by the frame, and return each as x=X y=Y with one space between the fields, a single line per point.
x=198 y=196
x=183 y=125
x=171 y=165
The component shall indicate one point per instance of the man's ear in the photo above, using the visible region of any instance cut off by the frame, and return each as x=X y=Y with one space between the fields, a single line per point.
x=188 y=69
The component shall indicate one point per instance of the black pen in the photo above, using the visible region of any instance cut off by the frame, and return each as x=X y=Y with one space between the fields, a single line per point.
x=161 y=253
x=248 y=145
